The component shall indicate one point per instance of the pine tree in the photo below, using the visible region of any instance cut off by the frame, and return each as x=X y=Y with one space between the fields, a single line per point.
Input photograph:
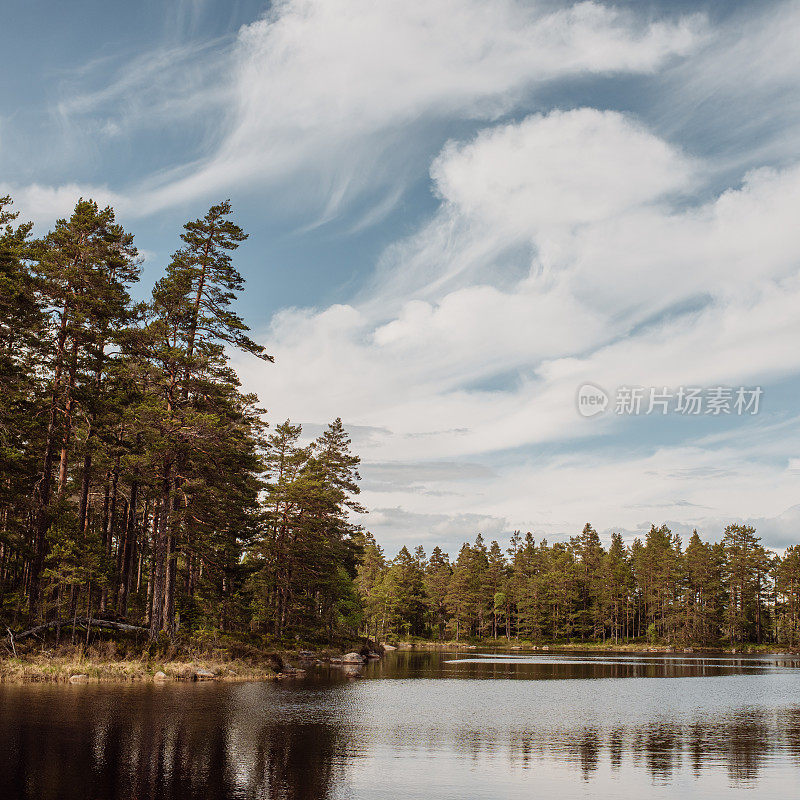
x=369 y=576
x=589 y=553
x=495 y=582
x=742 y=565
x=404 y=592
x=616 y=584
x=463 y=593
x=437 y=584
x=788 y=585
x=83 y=267
x=22 y=330
x=190 y=323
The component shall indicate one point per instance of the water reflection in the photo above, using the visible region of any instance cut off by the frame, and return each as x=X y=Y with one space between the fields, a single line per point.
x=743 y=744
x=417 y=726
x=160 y=742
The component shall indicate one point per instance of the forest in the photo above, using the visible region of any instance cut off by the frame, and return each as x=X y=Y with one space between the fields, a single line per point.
x=727 y=592
x=140 y=485
x=139 y=482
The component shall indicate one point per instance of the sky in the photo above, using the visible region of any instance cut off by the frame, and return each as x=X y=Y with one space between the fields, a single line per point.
x=461 y=212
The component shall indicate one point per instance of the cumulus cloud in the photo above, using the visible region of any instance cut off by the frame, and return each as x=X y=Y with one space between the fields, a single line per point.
x=593 y=203
x=562 y=169
x=542 y=184
x=570 y=319
x=491 y=367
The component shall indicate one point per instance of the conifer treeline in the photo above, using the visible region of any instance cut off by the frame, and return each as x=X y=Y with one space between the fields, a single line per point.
x=730 y=591
x=136 y=479
x=138 y=482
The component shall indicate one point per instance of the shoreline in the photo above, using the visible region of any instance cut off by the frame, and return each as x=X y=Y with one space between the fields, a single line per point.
x=92 y=668
x=599 y=647
x=81 y=669
x=64 y=670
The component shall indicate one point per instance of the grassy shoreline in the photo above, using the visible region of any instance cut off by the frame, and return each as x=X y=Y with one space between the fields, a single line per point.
x=127 y=658
x=90 y=666
x=81 y=665
x=71 y=669
x=595 y=647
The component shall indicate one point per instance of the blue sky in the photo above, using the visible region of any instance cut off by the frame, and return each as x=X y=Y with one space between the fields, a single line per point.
x=460 y=211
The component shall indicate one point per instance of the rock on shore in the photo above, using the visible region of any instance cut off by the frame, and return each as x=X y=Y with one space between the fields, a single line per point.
x=353 y=658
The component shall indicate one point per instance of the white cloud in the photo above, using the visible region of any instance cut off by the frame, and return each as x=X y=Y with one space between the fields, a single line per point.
x=486 y=368
x=44 y=204
x=164 y=85
x=546 y=185
x=739 y=93
x=779 y=531
x=400 y=527
x=560 y=169
x=593 y=195
x=653 y=258
x=323 y=101
x=324 y=89
x=705 y=485
x=686 y=486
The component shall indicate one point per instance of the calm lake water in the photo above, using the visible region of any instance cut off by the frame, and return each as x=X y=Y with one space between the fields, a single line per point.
x=421 y=725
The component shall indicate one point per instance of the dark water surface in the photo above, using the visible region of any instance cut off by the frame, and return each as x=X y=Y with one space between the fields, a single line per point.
x=421 y=725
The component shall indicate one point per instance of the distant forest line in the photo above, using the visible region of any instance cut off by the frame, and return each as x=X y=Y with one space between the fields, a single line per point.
x=140 y=483
x=731 y=591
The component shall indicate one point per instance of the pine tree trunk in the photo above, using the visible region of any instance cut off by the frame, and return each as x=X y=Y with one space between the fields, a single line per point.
x=160 y=554
x=87 y=462
x=127 y=550
x=108 y=527
x=169 y=589
x=172 y=562
x=44 y=487
x=758 y=609
x=69 y=403
x=85 y=483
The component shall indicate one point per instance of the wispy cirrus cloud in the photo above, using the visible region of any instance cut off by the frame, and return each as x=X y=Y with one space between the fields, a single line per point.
x=342 y=97
x=171 y=84
x=337 y=86
x=738 y=97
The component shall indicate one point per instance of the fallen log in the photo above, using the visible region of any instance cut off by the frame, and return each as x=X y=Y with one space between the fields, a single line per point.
x=81 y=622
x=110 y=624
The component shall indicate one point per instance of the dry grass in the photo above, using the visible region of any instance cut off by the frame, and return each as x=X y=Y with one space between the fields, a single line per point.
x=46 y=667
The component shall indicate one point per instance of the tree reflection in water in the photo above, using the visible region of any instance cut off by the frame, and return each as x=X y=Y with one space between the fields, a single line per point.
x=124 y=743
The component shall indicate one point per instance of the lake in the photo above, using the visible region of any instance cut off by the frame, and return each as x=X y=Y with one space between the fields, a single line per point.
x=426 y=725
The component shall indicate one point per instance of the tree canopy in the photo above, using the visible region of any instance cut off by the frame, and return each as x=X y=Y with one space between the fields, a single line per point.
x=138 y=481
